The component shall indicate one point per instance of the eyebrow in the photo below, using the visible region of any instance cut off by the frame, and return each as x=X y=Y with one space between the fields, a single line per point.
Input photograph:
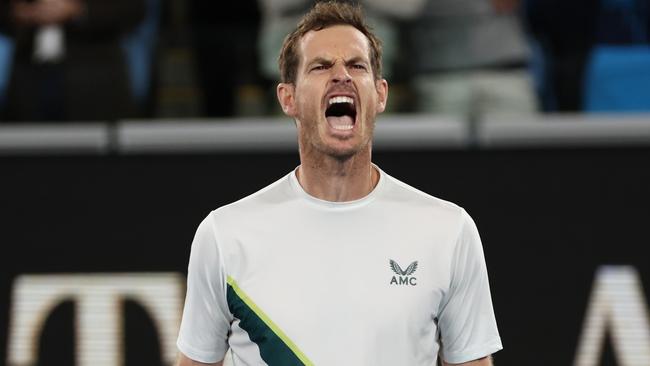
x=327 y=62
x=356 y=59
x=320 y=60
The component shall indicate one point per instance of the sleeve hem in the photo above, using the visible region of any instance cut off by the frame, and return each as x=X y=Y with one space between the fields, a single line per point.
x=198 y=355
x=473 y=353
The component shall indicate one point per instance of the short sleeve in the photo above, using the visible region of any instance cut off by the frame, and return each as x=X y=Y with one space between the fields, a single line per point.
x=206 y=319
x=467 y=325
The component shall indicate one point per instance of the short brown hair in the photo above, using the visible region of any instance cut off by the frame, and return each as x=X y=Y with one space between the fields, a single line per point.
x=323 y=15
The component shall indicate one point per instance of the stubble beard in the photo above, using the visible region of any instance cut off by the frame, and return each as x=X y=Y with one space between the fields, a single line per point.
x=312 y=142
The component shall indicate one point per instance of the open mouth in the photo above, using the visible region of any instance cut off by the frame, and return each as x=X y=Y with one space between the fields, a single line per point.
x=341 y=113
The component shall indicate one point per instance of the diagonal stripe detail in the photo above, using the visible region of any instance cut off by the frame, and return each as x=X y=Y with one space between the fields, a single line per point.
x=275 y=347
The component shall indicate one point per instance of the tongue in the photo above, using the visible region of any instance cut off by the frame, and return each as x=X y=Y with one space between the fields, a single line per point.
x=340 y=121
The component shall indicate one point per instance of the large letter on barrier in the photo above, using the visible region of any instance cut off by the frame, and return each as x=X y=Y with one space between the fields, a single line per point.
x=98 y=316
x=616 y=305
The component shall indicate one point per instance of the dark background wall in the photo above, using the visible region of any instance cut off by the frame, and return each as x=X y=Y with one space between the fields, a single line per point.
x=548 y=219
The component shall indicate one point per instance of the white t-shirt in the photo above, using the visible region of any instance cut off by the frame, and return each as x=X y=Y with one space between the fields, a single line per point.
x=283 y=278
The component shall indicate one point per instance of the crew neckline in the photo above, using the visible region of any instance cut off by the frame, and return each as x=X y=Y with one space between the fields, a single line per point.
x=293 y=179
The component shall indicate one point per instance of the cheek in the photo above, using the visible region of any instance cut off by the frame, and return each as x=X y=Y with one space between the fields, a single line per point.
x=371 y=101
x=309 y=102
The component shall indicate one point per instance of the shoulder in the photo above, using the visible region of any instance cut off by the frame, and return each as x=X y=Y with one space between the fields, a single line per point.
x=266 y=198
x=408 y=195
x=420 y=207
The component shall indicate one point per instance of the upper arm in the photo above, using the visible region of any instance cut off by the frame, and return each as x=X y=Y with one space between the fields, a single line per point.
x=205 y=324
x=485 y=361
x=186 y=361
x=466 y=321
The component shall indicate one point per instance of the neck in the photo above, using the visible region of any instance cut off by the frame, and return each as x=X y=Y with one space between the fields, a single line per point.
x=336 y=180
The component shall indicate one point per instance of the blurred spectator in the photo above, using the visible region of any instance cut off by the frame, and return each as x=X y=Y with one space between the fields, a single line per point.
x=565 y=32
x=388 y=18
x=68 y=63
x=469 y=57
x=623 y=22
x=226 y=58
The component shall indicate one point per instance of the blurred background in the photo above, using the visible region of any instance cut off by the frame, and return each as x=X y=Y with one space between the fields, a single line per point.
x=124 y=122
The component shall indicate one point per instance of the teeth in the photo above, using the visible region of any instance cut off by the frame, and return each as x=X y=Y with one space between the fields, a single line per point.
x=343 y=128
x=341 y=100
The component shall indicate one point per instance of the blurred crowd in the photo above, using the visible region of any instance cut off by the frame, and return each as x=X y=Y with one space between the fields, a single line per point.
x=89 y=60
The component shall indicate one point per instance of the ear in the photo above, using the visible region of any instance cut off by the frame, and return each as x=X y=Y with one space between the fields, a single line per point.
x=286 y=98
x=382 y=94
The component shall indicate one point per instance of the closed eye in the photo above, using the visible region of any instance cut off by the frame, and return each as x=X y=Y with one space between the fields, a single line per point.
x=319 y=67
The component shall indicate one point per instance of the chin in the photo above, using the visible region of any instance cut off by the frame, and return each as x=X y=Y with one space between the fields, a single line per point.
x=342 y=155
x=343 y=152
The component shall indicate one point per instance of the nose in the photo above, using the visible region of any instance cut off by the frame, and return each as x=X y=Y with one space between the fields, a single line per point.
x=340 y=74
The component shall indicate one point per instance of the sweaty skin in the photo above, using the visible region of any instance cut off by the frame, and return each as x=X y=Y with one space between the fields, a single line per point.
x=335 y=164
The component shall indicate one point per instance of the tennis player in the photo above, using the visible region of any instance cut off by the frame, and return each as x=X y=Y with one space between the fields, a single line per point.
x=337 y=263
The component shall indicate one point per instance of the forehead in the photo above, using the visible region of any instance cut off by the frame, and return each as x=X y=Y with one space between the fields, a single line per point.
x=339 y=41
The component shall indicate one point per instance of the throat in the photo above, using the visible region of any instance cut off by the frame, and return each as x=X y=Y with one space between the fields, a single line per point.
x=337 y=186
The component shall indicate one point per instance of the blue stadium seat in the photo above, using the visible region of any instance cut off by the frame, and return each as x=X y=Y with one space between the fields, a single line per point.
x=139 y=48
x=618 y=79
x=6 y=55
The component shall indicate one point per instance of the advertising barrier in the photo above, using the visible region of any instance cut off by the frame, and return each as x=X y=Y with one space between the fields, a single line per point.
x=94 y=249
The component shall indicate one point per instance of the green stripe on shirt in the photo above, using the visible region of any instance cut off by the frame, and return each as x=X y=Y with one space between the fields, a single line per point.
x=275 y=347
